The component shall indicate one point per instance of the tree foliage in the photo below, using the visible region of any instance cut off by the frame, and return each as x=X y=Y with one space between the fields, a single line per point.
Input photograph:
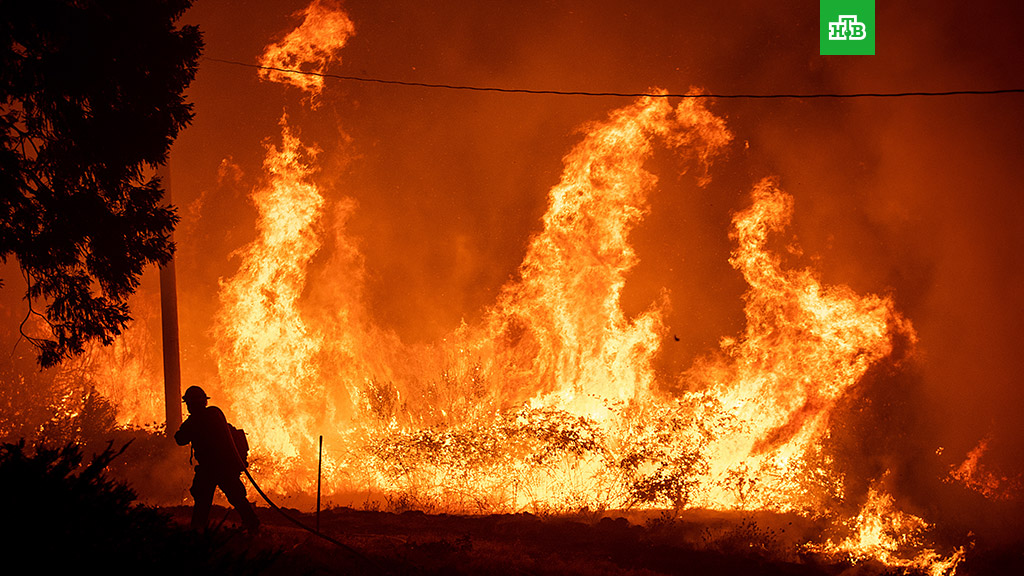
x=91 y=98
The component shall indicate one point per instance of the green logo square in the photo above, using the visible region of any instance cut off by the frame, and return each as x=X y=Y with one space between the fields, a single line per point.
x=847 y=27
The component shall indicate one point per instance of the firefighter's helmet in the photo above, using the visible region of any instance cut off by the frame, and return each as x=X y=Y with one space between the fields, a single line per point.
x=194 y=394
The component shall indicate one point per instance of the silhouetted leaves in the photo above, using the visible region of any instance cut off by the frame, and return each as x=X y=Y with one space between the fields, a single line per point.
x=90 y=99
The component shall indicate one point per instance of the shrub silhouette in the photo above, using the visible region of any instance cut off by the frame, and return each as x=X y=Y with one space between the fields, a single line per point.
x=62 y=515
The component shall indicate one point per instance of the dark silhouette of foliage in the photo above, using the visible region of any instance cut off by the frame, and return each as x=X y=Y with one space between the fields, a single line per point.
x=61 y=515
x=91 y=98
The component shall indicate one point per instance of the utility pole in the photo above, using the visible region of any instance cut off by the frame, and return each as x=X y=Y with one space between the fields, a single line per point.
x=169 y=323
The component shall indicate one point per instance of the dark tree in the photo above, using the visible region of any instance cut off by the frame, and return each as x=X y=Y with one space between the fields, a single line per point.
x=91 y=98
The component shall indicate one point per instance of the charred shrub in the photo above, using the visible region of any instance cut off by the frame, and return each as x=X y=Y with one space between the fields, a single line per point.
x=745 y=539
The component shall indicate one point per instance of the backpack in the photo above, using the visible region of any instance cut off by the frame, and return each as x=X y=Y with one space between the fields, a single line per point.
x=241 y=443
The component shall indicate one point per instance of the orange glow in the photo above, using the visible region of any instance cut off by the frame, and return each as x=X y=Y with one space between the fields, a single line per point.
x=122 y=373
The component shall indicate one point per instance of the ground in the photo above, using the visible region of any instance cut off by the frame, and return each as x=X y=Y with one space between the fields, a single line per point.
x=413 y=542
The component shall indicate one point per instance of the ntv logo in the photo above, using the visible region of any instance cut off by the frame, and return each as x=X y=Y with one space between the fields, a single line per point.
x=847 y=28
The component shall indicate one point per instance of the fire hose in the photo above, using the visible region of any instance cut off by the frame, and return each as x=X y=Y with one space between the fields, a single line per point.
x=298 y=523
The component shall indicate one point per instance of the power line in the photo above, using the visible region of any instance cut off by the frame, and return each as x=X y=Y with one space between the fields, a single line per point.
x=620 y=94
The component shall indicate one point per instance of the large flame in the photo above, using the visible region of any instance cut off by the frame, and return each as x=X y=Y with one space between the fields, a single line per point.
x=804 y=346
x=266 y=363
x=560 y=329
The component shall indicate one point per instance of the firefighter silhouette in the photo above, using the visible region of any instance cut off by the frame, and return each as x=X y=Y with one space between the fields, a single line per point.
x=218 y=463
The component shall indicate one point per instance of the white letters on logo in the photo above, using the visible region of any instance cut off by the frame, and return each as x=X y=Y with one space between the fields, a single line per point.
x=847 y=28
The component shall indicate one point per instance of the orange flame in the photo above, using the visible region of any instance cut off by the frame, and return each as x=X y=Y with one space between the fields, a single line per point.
x=266 y=346
x=311 y=47
x=974 y=474
x=882 y=533
x=560 y=330
x=804 y=346
x=121 y=372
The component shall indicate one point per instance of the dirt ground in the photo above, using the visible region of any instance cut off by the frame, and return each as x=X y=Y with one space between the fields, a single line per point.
x=413 y=542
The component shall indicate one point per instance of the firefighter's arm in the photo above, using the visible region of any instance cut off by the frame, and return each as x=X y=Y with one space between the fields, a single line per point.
x=184 y=434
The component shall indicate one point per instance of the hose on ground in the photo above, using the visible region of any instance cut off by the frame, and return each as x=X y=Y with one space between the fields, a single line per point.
x=298 y=523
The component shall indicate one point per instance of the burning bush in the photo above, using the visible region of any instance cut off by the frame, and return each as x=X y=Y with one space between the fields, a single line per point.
x=51 y=406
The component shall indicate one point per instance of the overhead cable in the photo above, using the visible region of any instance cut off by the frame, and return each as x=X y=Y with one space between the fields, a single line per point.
x=736 y=96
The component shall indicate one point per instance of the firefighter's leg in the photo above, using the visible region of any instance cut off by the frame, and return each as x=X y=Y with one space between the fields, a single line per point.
x=233 y=488
x=202 y=489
